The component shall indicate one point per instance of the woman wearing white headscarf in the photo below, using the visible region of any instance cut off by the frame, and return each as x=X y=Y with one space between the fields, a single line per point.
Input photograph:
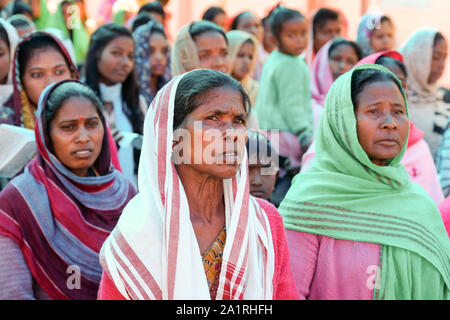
x=424 y=56
x=194 y=231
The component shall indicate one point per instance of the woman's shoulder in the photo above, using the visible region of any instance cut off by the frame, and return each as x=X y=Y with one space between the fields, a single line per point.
x=10 y=197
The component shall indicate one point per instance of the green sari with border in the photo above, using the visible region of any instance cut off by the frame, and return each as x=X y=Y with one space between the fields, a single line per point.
x=345 y=196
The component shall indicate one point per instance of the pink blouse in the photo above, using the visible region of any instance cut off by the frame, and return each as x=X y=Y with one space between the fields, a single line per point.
x=283 y=279
x=332 y=269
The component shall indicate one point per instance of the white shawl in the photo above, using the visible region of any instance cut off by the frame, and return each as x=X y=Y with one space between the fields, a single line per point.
x=153 y=252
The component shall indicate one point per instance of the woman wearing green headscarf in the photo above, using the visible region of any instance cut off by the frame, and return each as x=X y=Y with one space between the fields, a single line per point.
x=357 y=228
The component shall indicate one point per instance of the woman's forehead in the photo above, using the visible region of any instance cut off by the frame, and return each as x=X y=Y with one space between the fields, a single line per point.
x=221 y=100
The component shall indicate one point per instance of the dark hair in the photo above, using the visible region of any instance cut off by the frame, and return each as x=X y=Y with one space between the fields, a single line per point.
x=203 y=26
x=212 y=12
x=364 y=77
x=282 y=15
x=261 y=140
x=158 y=28
x=130 y=89
x=4 y=35
x=386 y=19
x=341 y=41
x=64 y=92
x=387 y=61
x=194 y=87
x=236 y=20
x=438 y=37
x=20 y=21
x=21 y=7
x=154 y=6
x=38 y=40
x=322 y=16
x=140 y=20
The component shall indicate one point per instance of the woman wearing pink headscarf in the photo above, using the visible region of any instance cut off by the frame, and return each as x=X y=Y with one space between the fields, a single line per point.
x=336 y=57
x=417 y=159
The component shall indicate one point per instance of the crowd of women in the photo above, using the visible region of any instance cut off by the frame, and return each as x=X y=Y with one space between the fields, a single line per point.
x=249 y=158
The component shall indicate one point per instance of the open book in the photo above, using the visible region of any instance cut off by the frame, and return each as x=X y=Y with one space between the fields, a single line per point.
x=17 y=148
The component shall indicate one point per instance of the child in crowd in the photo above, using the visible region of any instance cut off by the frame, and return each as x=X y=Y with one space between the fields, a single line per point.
x=262 y=165
x=243 y=51
x=284 y=97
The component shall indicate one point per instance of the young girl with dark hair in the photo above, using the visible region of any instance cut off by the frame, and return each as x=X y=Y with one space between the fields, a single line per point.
x=284 y=98
x=152 y=59
x=216 y=15
x=376 y=33
x=40 y=59
x=201 y=44
x=335 y=58
x=110 y=72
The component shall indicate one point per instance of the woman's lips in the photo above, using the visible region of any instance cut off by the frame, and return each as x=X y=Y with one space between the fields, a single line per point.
x=388 y=142
x=82 y=154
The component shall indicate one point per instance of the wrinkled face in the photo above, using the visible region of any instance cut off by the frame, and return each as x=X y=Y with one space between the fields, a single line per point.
x=76 y=133
x=159 y=50
x=44 y=67
x=382 y=38
x=213 y=52
x=293 y=37
x=342 y=59
x=116 y=61
x=213 y=135
x=440 y=51
x=329 y=30
x=261 y=182
x=5 y=61
x=381 y=121
x=249 y=23
x=243 y=61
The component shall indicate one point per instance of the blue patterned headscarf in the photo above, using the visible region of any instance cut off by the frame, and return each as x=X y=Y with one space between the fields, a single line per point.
x=142 y=53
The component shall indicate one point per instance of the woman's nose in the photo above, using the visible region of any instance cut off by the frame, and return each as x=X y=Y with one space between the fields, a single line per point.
x=389 y=122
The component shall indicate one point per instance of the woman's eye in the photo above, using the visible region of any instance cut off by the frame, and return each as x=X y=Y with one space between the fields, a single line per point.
x=67 y=127
x=241 y=121
x=92 y=124
x=214 y=118
x=36 y=75
x=60 y=72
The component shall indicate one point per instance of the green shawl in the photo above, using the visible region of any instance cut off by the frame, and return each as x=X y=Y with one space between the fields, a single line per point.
x=345 y=196
x=80 y=36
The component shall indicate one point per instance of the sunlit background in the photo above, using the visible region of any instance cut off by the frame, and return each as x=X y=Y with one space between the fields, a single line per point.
x=408 y=15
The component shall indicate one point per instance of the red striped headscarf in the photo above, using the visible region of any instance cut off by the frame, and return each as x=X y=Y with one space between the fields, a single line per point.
x=153 y=252
x=60 y=220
